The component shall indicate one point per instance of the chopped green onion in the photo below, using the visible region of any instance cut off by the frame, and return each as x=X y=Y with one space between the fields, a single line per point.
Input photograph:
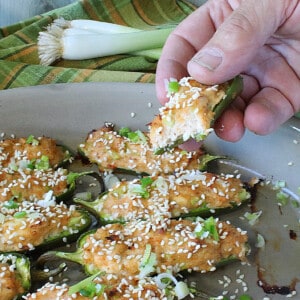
x=260 y=241
x=162 y=185
x=43 y=163
x=78 y=287
x=295 y=203
x=91 y=290
x=32 y=140
x=148 y=262
x=279 y=184
x=11 y=204
x=137 y=137
x=173 y=87
x=124 y=131
x=146 y=181
x=245 y=297
x=72 y=177
x=252 y=217
x=13 y=167
x=244 y=194
x=134 y=136
x=141 y=189
x=200 y=137
x=146 y=256
x=282 y=198
x=181 y=289
x=31 y=164
x=207 y=228
x=20 y=214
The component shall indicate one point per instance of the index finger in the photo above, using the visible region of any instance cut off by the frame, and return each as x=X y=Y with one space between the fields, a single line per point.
x=186 y=39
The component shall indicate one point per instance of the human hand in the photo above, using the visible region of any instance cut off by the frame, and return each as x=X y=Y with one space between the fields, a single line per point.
x=259 y=40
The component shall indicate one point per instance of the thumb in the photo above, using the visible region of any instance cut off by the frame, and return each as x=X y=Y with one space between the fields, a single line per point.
x=236 y=41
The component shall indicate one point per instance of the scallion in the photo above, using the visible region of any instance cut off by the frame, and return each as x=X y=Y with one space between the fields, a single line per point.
x=181 y=289
x=282 y=198
x=207 y=228
x=173 y=87
x=252 y=217
x=20 y=214
x=32 y=140
x=84 y=39
x=260 y=241
x=42 y=163
x=148 y=262
x=11 y=204
x=83 y=284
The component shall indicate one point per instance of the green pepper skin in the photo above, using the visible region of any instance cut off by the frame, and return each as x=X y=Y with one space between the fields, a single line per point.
x=68 y=235
x=65 y=236
x=234 y=89
x=71 y=256
x=68 y=194
x=22 y=269
x=91 y=206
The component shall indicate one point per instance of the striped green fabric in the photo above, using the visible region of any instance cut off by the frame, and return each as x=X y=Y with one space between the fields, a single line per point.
x=20 y=65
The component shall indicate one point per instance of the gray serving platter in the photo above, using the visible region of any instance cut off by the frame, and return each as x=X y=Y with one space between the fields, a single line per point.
x=67 y=112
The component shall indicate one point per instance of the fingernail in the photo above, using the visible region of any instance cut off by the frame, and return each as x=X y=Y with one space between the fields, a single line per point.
x=210 y=59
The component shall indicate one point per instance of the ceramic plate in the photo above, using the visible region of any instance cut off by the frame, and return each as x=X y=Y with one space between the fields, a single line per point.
x=67 y=112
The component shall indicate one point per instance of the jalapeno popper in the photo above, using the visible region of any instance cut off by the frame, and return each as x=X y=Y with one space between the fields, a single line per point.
x=131 y=151
x=29 y=168
x=27 y=184
x=191 y=111
x=26 y=225
x=32 y=150
x=14 y=276
x=189 y=193
x=140 y=248
x=105 y=287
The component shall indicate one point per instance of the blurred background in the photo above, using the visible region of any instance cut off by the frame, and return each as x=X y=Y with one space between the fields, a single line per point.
x=13 y=11
x=18 y=10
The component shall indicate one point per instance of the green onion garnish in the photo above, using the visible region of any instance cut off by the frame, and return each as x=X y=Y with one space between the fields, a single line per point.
x=11 y=204
x=134 y=136
x=86 y=286
x=20 y=214
x=282 y=198
x=173 y=87
x=124 y=131
x=207 y=228
x=252 y=217
x=32 y=140
x=148 y=262
x=146 y=181
x=42 y=163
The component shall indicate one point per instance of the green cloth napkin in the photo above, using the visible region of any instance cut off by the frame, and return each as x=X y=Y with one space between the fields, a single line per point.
x=20 y=65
